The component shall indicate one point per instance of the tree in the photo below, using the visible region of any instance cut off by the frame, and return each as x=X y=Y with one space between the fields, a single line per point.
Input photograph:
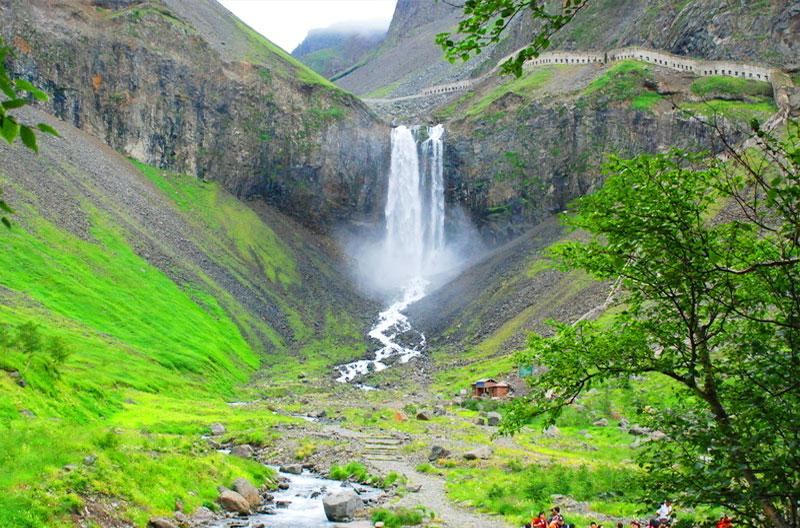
x=706 y=255
x=485 y=21
x=18 y=92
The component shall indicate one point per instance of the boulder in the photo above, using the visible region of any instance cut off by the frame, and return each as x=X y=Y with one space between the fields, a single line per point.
x=243 y=451
x=182 y=519
x=294 y=469
x=161 y=522
x=657 y=435
x=638 y=430
x=414 y=488
x=479 y=421
x=217 y=429
x=551 y=432
x=623 y=422
x=319 y=413
x=341 y=505
x=493 y=419
x=233 y=502
x=243 y=487
x=438 y=452
x=282 y=504
x=602 y=422
x=400 y=416
x=439 y=411
x=201 y=513
x=482 y=453
x=424 y=414
x=89 y=460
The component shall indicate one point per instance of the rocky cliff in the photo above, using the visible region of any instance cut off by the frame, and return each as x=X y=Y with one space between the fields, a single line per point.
x=191 y=88
x=521 y=150
x=409 y=59
x=329 y=51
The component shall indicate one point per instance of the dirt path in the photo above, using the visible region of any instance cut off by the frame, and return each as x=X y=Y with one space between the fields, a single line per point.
x=432 y=494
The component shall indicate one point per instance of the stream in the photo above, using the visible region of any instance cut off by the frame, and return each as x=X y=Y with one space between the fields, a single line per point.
x=305 y=509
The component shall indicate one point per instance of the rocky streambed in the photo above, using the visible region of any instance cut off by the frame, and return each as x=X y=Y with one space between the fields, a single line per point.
x=304 y=500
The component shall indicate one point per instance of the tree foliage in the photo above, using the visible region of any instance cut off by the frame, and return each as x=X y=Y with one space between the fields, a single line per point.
x=18 y=92
x=485 y=20
x=706 y=258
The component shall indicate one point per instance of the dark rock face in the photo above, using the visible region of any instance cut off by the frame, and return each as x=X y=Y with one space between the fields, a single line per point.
x=154 y=85
x=115 y=4
x=514 y=171
x=703 y=28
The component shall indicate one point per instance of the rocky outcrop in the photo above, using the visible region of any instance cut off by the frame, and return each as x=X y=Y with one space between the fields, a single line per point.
x=529 y=159
x=243 y=487
x=233 y=502
x=341 y=505
x=192 y=89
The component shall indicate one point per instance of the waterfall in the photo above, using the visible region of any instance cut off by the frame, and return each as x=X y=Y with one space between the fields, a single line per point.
x=413 y=240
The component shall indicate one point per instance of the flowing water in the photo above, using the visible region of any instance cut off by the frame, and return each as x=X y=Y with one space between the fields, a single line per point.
x=305 y=507
x=413 y=241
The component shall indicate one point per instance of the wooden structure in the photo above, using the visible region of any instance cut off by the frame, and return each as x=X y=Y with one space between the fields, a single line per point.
x=490 y=387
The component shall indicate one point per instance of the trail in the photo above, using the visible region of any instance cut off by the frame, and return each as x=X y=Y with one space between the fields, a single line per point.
x=386 y=456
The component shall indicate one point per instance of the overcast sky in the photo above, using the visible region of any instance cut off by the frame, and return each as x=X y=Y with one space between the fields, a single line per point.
x=286 y=22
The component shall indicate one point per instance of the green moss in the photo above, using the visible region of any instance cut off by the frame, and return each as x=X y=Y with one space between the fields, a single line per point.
x=738 y=111
x=264 y=51
x=719 y=84
x=646 y=101
x=531 y=82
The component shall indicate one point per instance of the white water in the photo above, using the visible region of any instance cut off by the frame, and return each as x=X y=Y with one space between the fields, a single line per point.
x=412 y=244
x=305 y=508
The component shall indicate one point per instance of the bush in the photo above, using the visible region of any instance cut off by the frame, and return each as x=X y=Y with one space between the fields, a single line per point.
x=400 y=517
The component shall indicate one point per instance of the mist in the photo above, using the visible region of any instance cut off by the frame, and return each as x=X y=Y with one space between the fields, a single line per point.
x=357 y=27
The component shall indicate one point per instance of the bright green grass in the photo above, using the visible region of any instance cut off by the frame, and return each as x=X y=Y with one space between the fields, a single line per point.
x=646 y=101
x=149 y=455
x=248 y=242
x=262 y=50
x=531 y=82
x=101 y=288
x=719 y=84
x=736 y=110
x=621 y=80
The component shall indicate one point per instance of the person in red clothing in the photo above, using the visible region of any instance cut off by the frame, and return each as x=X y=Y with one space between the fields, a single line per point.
x=724 y=521
x=539 y=521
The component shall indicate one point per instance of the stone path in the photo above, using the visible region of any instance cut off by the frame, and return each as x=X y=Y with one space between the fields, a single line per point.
x=383 y=452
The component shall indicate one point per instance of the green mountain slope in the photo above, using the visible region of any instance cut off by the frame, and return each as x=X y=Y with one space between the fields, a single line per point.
x=138 y=301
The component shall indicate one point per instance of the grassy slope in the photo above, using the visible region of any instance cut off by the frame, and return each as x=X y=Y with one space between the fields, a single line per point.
x=623 y=82
x=179 y=350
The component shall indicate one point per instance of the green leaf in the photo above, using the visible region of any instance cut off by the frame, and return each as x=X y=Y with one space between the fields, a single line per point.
x=47 y=129
x=14 y=103
x=9 y=129
x=22 y=84
x=28 y=138
x=6 y=222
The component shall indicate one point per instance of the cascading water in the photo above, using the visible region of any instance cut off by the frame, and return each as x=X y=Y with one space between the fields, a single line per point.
x=413 y=240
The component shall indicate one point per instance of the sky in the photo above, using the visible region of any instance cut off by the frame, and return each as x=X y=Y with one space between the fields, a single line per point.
x=286 y=22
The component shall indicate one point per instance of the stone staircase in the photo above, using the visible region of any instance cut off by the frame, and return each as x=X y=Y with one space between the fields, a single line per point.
x=382 y=447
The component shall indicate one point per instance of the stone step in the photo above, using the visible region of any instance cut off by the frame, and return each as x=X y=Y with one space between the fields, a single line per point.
x=383 y=441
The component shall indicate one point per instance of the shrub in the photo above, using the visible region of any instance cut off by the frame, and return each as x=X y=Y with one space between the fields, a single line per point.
x=400 y=517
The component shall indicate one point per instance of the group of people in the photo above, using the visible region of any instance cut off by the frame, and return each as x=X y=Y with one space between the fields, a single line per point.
x=663 y=519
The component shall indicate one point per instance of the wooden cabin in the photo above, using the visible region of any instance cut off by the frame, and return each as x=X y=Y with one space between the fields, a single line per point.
x=490 y=387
